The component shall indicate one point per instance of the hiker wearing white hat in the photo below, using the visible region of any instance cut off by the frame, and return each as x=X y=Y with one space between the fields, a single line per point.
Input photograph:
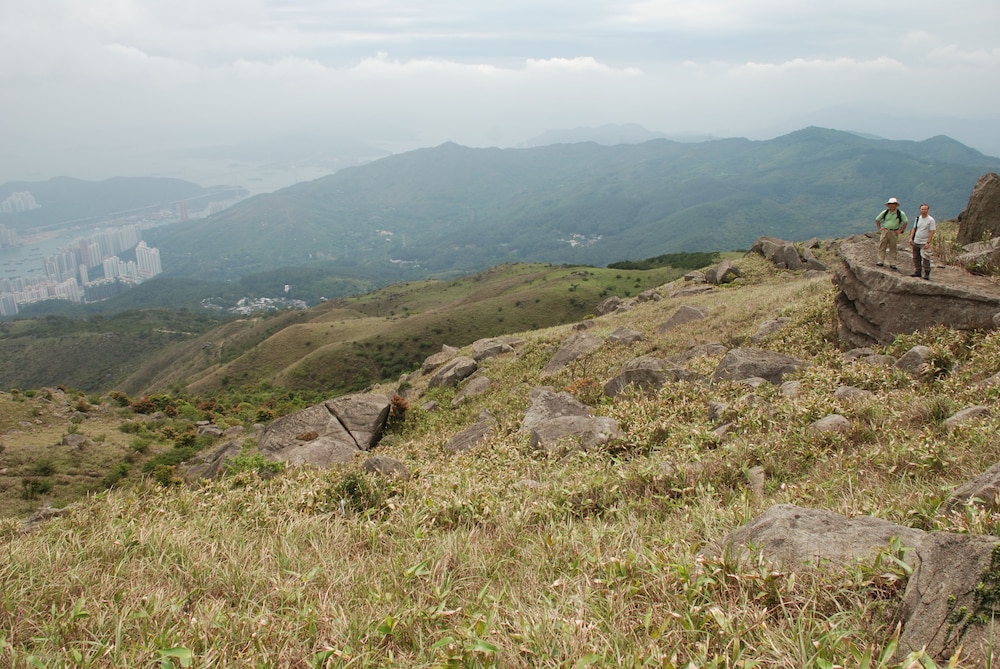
x=891 y=223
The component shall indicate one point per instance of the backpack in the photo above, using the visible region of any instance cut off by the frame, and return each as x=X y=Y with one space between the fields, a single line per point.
x=899 y=217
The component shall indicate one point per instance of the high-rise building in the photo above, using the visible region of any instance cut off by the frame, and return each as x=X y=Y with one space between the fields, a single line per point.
x=148 y=260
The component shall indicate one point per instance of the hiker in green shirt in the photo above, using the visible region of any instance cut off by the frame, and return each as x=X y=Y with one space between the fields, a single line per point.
x=891 y=224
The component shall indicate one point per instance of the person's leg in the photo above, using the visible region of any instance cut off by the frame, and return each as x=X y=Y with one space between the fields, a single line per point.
x=916 y=259
x=891 y=250
x=925 y=254
x=883 y=244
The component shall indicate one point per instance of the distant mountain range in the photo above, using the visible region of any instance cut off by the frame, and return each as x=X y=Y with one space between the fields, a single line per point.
x=453 y=209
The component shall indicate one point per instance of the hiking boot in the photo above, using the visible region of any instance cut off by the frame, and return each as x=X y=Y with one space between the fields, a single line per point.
x=879 y=264
x=916 y=274
x=893 y=267
x=927 y=277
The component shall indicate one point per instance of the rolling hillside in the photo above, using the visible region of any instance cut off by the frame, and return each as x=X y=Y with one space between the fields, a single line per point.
x=458 y=209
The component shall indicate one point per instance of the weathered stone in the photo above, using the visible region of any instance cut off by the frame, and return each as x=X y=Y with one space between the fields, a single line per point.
x=345 y=425
x=362 y=415
x=578 y=345
x=386 y=466
x=438 y=359
x=768 y=328
x=483 y=349
x=556 y=421
x=913 y=362
x=850 y=393
x=608 y=306
x=875 y=305
x=651 y=295
x=472 y=435
x=452 y=373
x=791 y=389
x=780 y=252
x=945 y=569
x=476 y=386
x=724 y=272
x=716 y=410
x=571 y=432
x=832 y=424
x=981 y=216
x=684 y=314
x=744 y=363
x=77 y=440
x=695 y=277
x=982 y=490
x=706 y=350
x=625 y=336
x=645 y=374
x=209 y=465
x=966 y=415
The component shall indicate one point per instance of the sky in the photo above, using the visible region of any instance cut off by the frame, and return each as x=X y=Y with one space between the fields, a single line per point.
x=102 y=88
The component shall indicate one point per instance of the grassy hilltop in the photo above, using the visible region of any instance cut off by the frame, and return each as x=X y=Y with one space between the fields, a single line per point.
x=504 y=556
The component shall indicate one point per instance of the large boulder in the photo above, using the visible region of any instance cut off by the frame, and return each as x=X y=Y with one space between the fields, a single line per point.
x=981 y=217
x=874 y=305
x=328 y=433
x=949 y=571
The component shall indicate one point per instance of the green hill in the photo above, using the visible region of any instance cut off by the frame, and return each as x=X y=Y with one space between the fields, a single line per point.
x=458 y=209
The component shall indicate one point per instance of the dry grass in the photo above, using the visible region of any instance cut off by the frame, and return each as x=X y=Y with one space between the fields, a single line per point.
x=504 y=556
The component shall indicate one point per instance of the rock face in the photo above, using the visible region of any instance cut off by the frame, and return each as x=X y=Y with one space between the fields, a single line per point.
x=327 y=433
x=875 y=305
x=948 y=570
x=981 y=217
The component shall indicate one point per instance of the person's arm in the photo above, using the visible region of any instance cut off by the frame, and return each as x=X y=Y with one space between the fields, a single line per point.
x=902 y=222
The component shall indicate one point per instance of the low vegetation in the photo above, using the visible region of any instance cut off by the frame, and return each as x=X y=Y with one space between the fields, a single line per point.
x=505 y=556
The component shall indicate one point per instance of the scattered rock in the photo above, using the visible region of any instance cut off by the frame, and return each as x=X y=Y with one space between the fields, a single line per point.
x=914 y=361
x=744 y=363
x=452 y=373
x=966 y=415
x=476 y=386
x=768 y=328
x=625 y=336
x=386 y=466
x=483 y=349
x=645 y=374
x=832 y=424
x=471 y=436
x=684 y=314
x=576 y=346
x=850 y=393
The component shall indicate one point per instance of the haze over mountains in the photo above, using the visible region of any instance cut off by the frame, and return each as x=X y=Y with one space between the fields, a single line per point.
x=454 y=209
x=451 y=210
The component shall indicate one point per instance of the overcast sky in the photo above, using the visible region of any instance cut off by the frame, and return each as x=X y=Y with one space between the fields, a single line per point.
x=97 y=88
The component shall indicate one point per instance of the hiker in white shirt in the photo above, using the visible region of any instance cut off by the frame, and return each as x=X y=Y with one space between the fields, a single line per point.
x=920 y=241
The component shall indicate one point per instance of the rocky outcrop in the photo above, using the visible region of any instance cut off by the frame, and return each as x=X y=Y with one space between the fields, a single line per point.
x=472 y=435
x=948 y=571
x=786 y=255
x=874 y=305
x=981 y=217
x=327 y=433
